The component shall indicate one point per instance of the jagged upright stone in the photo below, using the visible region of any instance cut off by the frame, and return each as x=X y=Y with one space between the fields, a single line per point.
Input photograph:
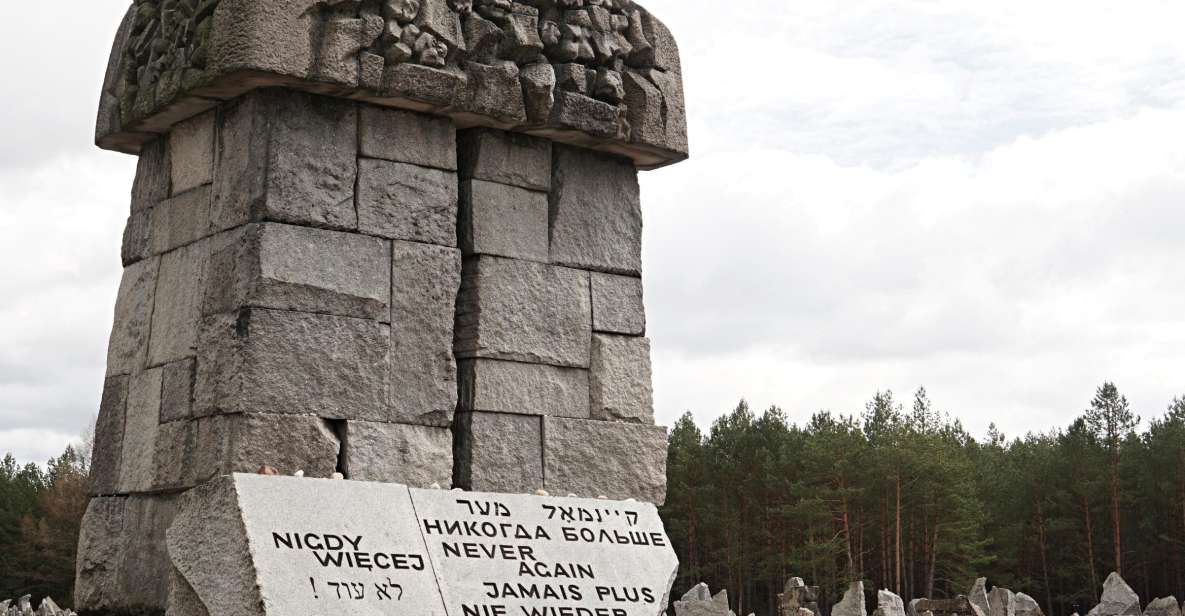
x=796 y=596
x=1001 y=602
x=1027 y=606
x=1118 y=599
x=978 y=597
x=852 y=603
x=699 y=601
x=1164 y=606
x=399 y=241
x=889 y=603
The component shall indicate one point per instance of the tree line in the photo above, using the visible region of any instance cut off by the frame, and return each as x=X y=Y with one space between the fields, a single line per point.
x=906 y=499
x=41 y=512
x=902 y=498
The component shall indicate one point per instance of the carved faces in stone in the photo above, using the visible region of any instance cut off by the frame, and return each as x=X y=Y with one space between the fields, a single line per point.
x=402 y=11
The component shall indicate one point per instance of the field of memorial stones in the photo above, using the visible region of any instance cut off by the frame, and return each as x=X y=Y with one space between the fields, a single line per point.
x=799 y=599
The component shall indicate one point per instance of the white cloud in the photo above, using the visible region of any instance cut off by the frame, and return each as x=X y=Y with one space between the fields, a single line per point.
x=61 y=224
x=983 y=198
x=34 y=445
x=1038 y=269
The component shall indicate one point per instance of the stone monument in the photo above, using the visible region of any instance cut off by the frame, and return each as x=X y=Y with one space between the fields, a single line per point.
x=396 y=240
x=255 y=545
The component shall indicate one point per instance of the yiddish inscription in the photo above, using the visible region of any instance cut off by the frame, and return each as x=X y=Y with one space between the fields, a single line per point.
x=510 y=555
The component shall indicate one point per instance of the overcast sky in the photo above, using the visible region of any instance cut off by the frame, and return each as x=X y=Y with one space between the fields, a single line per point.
x=985 y=198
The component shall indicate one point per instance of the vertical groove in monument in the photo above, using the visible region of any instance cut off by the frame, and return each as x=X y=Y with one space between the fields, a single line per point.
x=554 y=372
x=288 y=299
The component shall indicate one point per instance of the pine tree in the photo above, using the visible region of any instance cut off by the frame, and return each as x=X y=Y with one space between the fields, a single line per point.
x=1111 y=419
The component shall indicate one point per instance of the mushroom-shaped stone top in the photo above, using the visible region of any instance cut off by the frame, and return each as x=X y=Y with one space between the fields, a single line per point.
x=602 y=74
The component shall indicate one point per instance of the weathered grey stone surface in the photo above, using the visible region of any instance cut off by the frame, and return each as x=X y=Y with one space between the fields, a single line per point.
x=207 y=551
x=144 y=580
x=183 y=601
x=525 y=389
x=673 y=108
x=137 y=237
x=287 y=157
x=1118 y=599
x=407 y=202
x=1166 y=606
x=288 y=267
x=619 y=379
x=889 y=604
x=797 y=598
x=645 y=102
x=176 y=396
x=407 y=137
x=191 y=152
x=271 y=361
x=505 y=158
x=108 y=449
x=208 y=546
x=427 y=87
x=178 y=307
x=978 y=597
x=488 y=68
x=173 y=456
x=665 y=49
x=617 y=304
x=1027 y=606
x=137 y=472
x=1001 y=602
x=587 y=115
x=523 y=311
x=852 y=603
x=244 y=443
x=699 y=602
x=499 y=452
x=642 y=571
x=599 y=458
x=128 y=346
x=503 y=220
x=100 y=554
x=122 y=564
x=398 y=453
x=24 y=607
x=493 y=91
x=153 y=182
x=181 y=220
x=425 y=280
x=596 y=212
x=539 y=82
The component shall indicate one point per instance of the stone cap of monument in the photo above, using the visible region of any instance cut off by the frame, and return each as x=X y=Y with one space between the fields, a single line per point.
x=601 y=74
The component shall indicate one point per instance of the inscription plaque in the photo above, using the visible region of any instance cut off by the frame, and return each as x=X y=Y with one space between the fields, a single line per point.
x=322 y=547
x=319 y=546
x=512 y=555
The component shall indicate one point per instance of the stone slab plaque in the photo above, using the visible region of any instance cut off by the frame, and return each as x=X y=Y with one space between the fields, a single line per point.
x=518 y=555
x=286 y=546
x=316 y=547
x=322 y=546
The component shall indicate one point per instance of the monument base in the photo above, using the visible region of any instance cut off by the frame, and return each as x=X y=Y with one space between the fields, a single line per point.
x=253 y=545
